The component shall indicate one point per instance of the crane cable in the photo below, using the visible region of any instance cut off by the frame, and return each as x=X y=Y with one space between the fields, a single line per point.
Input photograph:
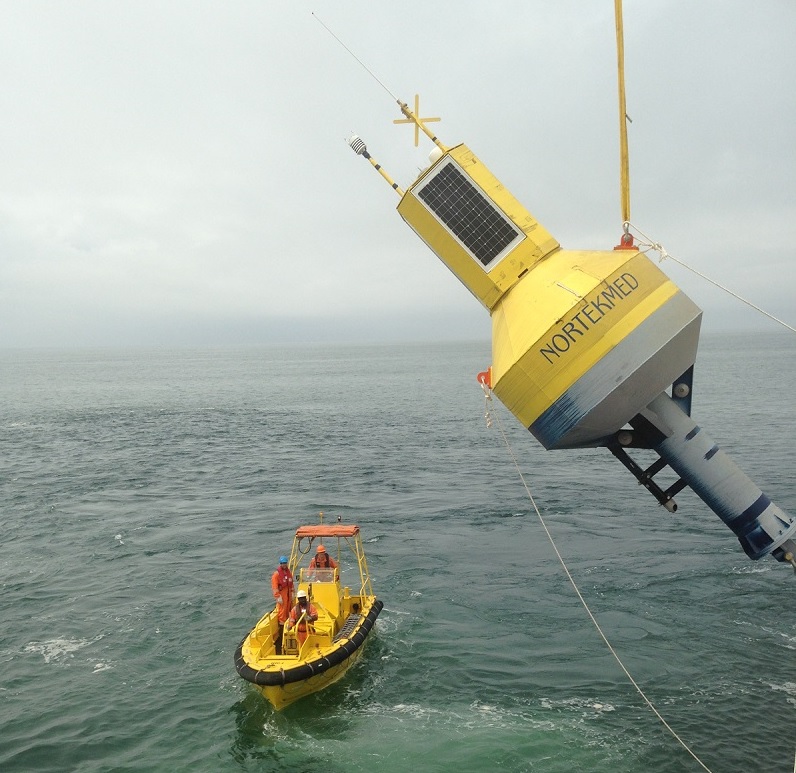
x=488 y=415
x=624 y=177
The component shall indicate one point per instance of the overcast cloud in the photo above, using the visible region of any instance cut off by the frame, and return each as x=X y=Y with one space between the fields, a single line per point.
x=176 y=173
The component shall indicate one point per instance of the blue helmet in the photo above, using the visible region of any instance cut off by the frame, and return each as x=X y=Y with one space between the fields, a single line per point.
x=282 y=559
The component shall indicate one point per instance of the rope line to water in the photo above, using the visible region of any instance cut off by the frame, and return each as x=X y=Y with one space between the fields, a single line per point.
x=646 y=241
x=488 y=415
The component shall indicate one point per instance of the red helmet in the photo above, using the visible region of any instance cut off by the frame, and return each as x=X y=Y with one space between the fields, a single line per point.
x=320 y=549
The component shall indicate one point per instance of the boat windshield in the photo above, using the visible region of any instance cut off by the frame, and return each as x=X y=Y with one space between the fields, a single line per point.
x=318 y=575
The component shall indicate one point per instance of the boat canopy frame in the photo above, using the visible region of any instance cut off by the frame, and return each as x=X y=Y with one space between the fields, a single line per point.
x=345 y=534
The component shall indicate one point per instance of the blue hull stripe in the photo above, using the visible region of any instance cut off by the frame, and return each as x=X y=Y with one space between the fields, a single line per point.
x=750 y=515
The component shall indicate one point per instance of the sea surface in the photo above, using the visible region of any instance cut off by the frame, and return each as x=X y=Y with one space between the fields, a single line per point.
x=147 y=494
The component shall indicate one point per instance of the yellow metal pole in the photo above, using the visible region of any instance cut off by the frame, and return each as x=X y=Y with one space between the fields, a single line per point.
x=623 y=119
x=377 y=166
x=358 y=146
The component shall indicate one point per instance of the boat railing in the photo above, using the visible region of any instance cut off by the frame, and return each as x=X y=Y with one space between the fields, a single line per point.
x=326 y=613
x=365 y=587
x=303 y=647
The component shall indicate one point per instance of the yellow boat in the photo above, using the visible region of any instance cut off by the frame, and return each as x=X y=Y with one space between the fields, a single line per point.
x=333 y=642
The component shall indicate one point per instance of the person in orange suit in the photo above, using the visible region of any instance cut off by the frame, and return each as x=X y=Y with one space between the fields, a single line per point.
x=322 y=560
x=282 y=588
x=302 y=615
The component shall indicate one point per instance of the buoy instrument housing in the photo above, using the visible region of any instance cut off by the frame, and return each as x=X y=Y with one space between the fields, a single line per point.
x=585 y=344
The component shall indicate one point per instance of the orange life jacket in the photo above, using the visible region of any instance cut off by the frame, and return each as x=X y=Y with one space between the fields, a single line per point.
x=310 y=617
x=330 y=563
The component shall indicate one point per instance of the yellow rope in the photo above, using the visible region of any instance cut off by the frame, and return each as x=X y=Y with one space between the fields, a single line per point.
x=645 y=241
x=572 y=582
x=624 y=157
x=624 y=175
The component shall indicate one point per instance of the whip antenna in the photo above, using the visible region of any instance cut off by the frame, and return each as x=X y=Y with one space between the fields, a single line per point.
x=363 y=65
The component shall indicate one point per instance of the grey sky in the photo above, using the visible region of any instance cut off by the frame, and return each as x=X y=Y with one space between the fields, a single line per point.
x=176 y=173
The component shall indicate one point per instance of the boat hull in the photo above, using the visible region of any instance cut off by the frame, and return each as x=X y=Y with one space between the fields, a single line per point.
x=283 y=679
x=280 y=696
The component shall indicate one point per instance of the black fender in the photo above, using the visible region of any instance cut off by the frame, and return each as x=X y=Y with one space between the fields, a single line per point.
x=340 y=653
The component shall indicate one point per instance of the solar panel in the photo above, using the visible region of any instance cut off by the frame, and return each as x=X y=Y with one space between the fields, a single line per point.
x=472 y=218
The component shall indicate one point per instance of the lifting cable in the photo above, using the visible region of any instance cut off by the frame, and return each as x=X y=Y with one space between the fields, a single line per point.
x=624 y=179
x=488 y=415
x=649 y=244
